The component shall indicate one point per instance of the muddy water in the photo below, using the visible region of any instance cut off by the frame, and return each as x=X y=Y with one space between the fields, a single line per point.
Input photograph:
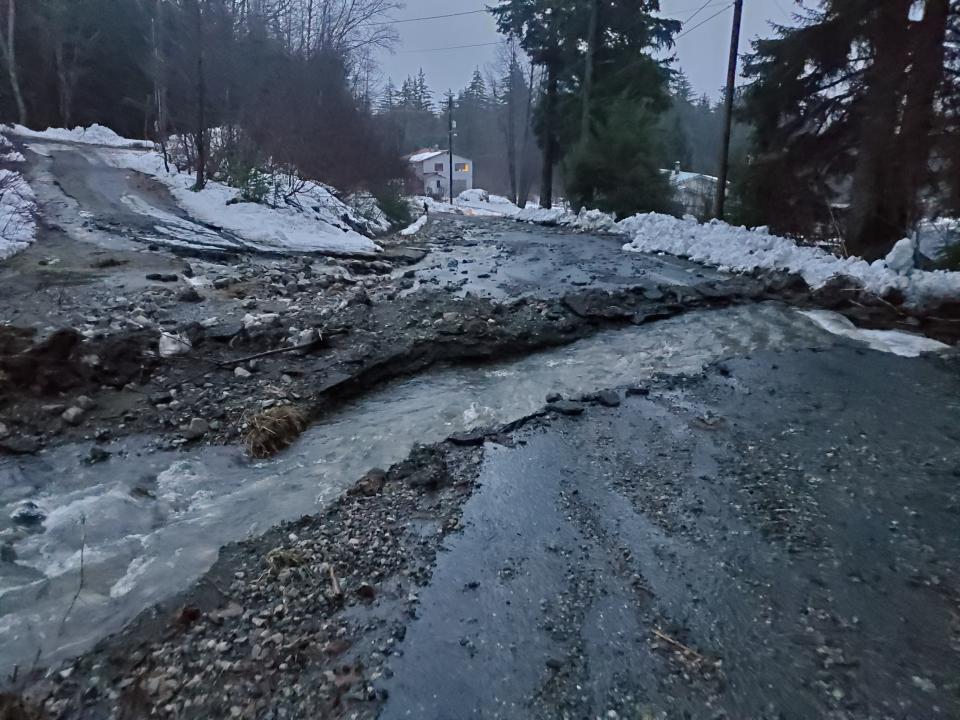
x=150 y=523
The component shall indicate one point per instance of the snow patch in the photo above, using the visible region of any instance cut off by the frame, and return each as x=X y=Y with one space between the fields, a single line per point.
x=93 y=135
x=739 y=249
x=18 y=208
x=415 y=227
x=315 y=225
x=891 y=341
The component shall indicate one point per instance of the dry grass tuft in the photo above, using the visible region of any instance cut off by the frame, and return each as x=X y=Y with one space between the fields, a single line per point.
x=274 y=430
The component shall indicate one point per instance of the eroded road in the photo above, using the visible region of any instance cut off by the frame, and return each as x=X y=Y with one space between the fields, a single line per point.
x=727 y=512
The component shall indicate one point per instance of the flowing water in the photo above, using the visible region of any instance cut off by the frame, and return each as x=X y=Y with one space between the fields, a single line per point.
x=149 y=523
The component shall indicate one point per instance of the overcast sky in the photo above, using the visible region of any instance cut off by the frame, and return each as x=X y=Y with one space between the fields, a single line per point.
x=702 y=53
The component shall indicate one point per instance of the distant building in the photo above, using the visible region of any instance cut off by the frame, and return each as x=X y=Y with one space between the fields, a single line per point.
x=431 y=168
x=694 y=192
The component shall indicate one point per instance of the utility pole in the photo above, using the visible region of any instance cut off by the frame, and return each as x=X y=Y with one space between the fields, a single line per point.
x=728 y=109
x=451 y=125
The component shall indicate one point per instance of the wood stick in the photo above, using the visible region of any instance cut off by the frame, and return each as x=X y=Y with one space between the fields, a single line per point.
x=679 y=645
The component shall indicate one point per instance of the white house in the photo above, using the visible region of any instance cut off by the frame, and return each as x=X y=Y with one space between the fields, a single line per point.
x=694 y=192
x=432 y=169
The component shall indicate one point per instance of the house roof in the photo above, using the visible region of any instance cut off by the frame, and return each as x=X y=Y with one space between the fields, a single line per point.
x=425 y=155
x=679 y=178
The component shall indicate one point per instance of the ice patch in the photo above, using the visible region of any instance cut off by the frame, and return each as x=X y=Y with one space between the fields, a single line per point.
x=891 y=341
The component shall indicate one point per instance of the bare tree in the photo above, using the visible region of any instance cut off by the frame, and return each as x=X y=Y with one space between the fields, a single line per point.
x=8 y=50
x=71 y=29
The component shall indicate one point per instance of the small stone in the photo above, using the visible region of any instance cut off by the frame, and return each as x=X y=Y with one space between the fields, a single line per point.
x=197 y=429
x=73 y=415
x=554 y=397
x=566 y=407
x=85 y=403
x=3 y=430
x=608 y=398
x=190 y=295
x=96 y=455
x=924 y=684
x=242 y=372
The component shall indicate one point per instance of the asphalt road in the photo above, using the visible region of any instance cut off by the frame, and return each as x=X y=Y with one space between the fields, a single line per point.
x=777 y=539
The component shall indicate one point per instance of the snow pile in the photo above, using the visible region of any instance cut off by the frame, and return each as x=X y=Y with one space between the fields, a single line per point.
x=18 y=206
x=741 y=250
x=93 y=135
x=317 y=221
x=415 y=227
x=595 y=221
x=544 y=216
x=473 y=203
x=8 y=153
x=891 y=341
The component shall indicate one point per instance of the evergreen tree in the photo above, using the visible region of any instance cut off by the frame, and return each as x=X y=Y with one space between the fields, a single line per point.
x=848 y=97
x=618 y=169
x=422 y=96
x=389 y=100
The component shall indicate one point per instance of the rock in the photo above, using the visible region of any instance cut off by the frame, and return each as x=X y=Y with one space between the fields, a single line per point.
x=20 y=445
x=242 y=372
x=367 y=592
x=554 y=397
x=608 y=398
x=308 y=336
x=29 y=513
x=566 y=407
x=161 y=398
x=634 y=391
x=371 y=483
x=197 y=429
x=190 y=295
x=96 y=455
x=162 y=277
x=469 y=438
x=85 y=403
x=3 y=430
x=73 y=415
x=172 y=345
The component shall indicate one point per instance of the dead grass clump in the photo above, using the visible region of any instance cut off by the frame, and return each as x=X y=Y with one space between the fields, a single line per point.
x=14 y=707
x=274 y=430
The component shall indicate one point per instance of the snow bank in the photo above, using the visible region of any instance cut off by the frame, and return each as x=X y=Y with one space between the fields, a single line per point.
x=18 y=206
x=544 y=216
x=321 y=223
x=93 y=135
x=891 y=341
x=474 y=203
x=415 y=227
x=741 y=250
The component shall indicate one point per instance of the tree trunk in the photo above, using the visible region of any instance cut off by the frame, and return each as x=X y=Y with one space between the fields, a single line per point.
x=916 y=133
x=549 y=139
x=524 y=179
x=872 y=230
x=588 y=70
x=200 y=133
x=8 y=46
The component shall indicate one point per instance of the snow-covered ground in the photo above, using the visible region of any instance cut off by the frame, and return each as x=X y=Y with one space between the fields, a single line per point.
x=93 y=135
x=415 y=227
x=476 y=203
x=318 y=225
x=18 y=206
x=743 y=250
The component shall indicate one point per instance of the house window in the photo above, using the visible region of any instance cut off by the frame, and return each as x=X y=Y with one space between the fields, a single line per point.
x=438 y=167
x=462 y=167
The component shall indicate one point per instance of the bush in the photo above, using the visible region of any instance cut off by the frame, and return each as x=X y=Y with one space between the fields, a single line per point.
x=393 y=204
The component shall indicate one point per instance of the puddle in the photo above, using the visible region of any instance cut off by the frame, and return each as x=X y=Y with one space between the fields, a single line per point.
x=150 y=523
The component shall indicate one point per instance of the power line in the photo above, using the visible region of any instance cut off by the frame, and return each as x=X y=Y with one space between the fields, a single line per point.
x=697 y=12
x=704 y=22
x=452 y=47
x=429 y=17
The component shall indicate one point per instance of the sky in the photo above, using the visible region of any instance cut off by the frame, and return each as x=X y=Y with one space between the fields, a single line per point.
x=702 y=53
